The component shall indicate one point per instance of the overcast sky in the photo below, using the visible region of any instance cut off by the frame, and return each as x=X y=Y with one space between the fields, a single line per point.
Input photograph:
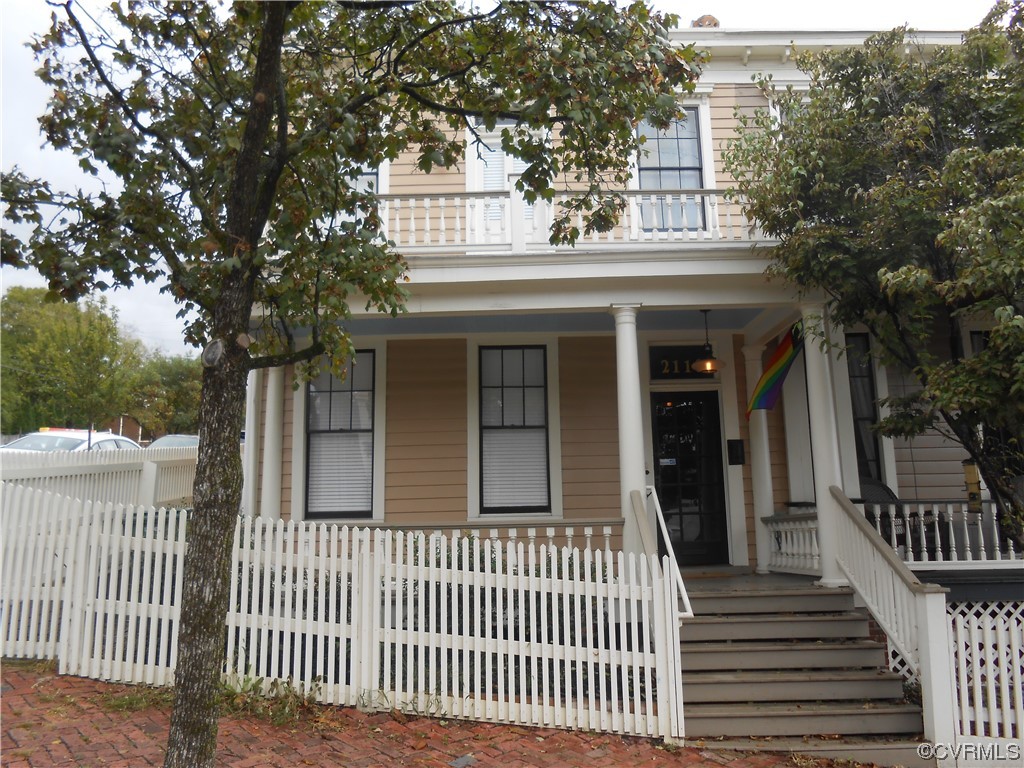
x=150 y=316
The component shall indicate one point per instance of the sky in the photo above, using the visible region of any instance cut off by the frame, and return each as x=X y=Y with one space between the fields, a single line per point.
x=148 y=315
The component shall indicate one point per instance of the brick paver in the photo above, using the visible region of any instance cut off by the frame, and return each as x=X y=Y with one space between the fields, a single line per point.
x=49 y=720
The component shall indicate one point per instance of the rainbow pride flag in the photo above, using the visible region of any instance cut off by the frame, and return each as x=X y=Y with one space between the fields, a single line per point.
x=769 y=386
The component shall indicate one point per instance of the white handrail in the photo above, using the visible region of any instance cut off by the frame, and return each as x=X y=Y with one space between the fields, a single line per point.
x=651 y=546
x=912 y=614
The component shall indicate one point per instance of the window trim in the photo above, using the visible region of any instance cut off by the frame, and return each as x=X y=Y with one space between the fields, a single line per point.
x=473 y=432
x=299 y=471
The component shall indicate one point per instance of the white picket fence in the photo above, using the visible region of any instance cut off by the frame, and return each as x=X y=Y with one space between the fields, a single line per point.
x=147 y=476
x=463 y=627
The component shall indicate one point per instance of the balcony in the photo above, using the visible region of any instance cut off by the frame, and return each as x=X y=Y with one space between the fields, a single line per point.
x=502 y=222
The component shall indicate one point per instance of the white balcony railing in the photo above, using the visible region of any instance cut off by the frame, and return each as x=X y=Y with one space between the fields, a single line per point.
x=926 y=535
x=503 y=222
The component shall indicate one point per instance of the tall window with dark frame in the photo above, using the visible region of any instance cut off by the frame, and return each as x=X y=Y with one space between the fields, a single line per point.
x=513 y=430
x=671 y=160
x=864 y=400
x=339 y=442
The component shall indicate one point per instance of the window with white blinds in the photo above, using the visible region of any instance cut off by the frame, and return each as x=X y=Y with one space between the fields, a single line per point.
x=513 y=430
x=339 y=441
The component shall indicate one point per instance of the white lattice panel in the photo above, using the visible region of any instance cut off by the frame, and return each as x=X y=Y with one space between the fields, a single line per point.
x=988 y=666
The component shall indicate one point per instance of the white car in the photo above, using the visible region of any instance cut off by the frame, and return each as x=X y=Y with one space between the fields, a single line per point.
x=71 y=440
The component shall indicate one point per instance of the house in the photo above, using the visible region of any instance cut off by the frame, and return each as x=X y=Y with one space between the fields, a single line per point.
x=537 y=386
x=532 y=383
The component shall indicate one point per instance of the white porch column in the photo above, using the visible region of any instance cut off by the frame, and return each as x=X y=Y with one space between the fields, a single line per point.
x=251 y=448
x=273 y=445
x=824 y=441
x=632 y=475
x=760 y=460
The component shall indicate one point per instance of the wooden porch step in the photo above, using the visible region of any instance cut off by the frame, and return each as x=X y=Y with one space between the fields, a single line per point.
x=805 y=654
x=801 y=719
x=792 y=685
x=810 y=600
x=850 y=624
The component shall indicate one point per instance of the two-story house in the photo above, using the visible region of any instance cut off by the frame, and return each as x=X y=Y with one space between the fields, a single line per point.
x=531 y=385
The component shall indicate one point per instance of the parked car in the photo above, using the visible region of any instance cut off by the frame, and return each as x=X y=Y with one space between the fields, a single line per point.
x=71 y=440
x=175 y=441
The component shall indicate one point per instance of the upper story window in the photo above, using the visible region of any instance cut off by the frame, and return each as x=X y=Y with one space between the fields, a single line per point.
x=339 y=441
x=489 y=168
x=669 y=161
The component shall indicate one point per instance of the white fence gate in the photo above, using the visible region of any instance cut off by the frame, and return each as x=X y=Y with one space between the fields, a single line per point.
x=461 y=627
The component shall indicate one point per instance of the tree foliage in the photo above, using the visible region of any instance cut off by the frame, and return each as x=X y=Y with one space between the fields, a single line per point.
x=895 y=186
x=64 y=365
x=166 y=398
x=236 y=133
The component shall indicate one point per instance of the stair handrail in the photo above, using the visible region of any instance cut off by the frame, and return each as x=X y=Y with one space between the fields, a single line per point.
x=912 y=614
x=650 y=545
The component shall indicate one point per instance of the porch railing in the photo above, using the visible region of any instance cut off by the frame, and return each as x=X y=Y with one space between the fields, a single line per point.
x=925 y=535
x=942 y=534
x=502 y=221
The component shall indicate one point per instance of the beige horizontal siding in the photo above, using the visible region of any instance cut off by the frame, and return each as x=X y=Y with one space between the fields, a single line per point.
x=425 y=476
x=589 y=427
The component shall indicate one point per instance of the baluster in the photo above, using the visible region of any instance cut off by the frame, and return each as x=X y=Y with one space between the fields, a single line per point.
x=551 y=537
x=953 y=556
x=588 y=534
x=568 y=537
x=531 y=536
x=996 y=543
x=413 y=223
x=713 y=230
x=815 y=554
x=936 y=529
x=442 y=215
x=607 y=538
x=428 y=222
x=908 y=534
x=471 y=222
x=460 y=237
x=398 y=223
x=965 y=520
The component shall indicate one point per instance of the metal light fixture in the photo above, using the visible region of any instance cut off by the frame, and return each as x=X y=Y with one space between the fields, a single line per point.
x=708 y=363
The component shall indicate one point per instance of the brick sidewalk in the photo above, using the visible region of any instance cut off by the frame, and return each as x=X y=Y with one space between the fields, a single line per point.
x=49 y=720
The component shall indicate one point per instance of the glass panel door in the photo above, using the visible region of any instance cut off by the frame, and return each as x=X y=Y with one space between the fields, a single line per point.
x=689 y=475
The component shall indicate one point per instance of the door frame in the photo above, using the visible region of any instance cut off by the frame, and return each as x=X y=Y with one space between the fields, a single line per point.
x=724 y=384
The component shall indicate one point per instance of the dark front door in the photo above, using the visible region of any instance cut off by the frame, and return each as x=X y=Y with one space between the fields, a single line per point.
x=689 y=476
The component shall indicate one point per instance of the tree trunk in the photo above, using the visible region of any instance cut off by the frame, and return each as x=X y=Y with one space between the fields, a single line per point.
x=201 y=631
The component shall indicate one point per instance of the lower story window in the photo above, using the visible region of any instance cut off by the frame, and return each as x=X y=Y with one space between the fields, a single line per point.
x=864 y=403
x=339 y=441
x=513 y=430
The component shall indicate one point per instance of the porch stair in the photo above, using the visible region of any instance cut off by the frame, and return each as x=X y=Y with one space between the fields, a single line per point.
x=786 y=660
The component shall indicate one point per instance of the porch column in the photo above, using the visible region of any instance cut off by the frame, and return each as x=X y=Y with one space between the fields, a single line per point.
x=632 y=472
x=824 y=441
x=273 y=445
x=251 y=447
x=760 y=460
